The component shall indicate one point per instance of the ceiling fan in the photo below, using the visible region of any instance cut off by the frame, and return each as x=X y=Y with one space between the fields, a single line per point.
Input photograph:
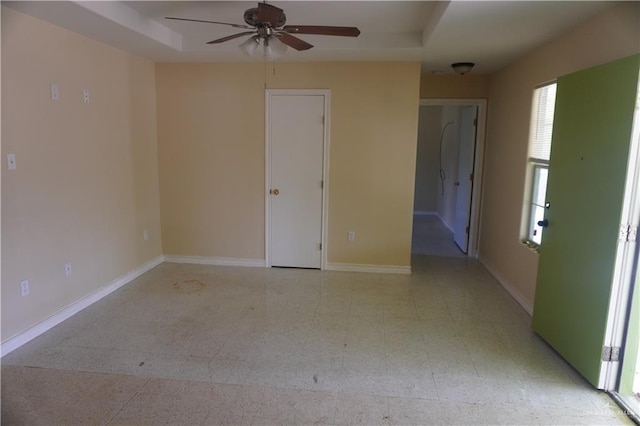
x=267 y=27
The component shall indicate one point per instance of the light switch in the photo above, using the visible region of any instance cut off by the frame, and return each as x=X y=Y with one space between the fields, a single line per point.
x=11 y=161
x=85 y=96
x=55 y=92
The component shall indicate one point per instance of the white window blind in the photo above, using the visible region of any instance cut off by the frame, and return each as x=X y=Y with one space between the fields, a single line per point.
x=544 y=102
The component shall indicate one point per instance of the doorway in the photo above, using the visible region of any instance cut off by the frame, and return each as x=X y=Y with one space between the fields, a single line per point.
x=448 y=177
x=588 y=265
x=296 y=157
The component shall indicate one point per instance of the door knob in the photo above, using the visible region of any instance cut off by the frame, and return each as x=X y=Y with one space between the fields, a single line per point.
x=544 y=223
x=275 y=191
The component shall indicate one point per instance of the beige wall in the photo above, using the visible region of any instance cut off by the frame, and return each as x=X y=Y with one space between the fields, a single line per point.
x=86 y=183
x=427 y=159
x=609 y=36
x=87 y=179
x=211 y=153
x=453 y=86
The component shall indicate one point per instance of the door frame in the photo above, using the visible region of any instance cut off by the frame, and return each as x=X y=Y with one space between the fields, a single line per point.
x=326 y=93
x=625 y=261
x=478 y=163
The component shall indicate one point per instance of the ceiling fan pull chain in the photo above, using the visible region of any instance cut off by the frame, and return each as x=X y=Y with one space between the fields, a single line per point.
x=265 y=70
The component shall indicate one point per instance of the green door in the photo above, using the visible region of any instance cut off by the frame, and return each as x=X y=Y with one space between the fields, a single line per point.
x=587 y=171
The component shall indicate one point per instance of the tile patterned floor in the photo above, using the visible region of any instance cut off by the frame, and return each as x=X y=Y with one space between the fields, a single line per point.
x=431 y=237
x=206 y=345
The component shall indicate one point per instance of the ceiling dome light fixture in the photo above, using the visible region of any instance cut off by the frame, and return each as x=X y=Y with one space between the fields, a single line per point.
x=462 y=67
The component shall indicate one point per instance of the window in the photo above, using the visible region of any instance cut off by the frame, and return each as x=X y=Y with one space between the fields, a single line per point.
x=544 y=99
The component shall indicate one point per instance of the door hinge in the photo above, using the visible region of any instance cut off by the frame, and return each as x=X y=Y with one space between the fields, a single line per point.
x=610 y=353
x=321 y=184
x=475 y=121
x=467 y=230
x=323 y=120
x=628 y=233
x=471 y=177
x=320 y=246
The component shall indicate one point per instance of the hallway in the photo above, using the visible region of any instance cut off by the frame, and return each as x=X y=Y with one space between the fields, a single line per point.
x=432 y=237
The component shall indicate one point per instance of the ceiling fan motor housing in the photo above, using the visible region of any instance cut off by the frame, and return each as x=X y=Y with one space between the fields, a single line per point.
x=251 y=18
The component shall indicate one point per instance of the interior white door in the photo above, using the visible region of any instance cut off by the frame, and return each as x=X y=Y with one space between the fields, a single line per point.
x=465 y=181
x=296 y=152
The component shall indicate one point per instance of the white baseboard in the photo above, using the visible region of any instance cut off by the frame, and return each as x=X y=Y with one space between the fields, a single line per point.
x=221 y=261
x=507 y=286
x=425 y=213
x=444 y=222
x=15 y=342
x=379 y=269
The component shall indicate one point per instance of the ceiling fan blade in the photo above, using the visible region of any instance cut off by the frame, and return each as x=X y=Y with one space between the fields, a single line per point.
x=268 y=13
x=231 y=37
x=292 y=41
x=322 y=30
x=208 y=22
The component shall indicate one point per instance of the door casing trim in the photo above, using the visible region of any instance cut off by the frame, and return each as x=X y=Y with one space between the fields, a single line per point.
x=476 y=193
x=326 y=93
x=625 y=260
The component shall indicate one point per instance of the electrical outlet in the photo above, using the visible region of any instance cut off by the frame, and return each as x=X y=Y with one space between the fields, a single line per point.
x=351 y=236
x=145 y=235
x=24 y=287
x=67 y=268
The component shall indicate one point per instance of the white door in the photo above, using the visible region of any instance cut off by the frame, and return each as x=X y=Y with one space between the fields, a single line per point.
x=295 y=155
x=465 y=178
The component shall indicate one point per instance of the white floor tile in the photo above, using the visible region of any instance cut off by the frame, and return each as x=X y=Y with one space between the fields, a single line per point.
x=445 y=345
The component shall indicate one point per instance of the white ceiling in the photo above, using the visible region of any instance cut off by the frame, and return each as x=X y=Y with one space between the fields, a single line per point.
x=490 y=33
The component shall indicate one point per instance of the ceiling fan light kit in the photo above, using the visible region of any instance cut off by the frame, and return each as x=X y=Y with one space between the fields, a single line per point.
x=266 y=25
x=274 y=48
x=250 y=45
x=462 y=67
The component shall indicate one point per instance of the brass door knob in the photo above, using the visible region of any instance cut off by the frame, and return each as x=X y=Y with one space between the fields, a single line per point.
x=275 y=191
